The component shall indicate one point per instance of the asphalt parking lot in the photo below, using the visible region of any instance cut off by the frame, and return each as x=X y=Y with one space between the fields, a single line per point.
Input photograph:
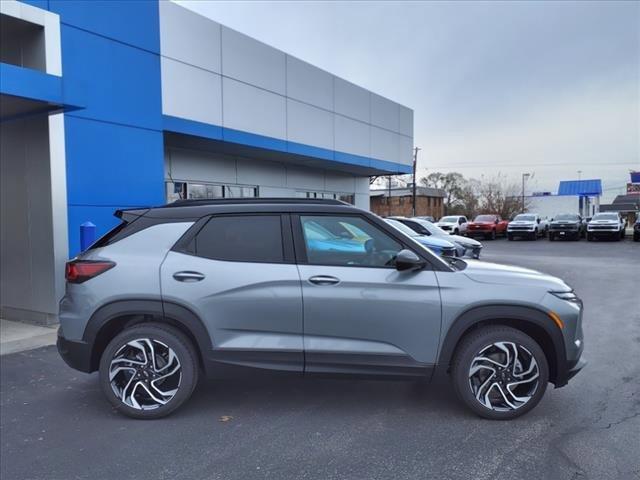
x=55 y=423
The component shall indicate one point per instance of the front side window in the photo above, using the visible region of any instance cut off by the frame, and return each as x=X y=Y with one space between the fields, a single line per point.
x=241 y=238
x=347 y=241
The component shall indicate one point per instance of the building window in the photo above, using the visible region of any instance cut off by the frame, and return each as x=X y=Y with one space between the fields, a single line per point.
x=201 y=191
x=345 y=197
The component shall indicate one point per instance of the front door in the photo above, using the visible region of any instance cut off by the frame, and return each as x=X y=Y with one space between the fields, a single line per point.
x=239 y=278
x=361 y=315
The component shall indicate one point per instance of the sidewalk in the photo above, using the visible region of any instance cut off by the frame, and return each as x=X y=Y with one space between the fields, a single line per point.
x=17 y=336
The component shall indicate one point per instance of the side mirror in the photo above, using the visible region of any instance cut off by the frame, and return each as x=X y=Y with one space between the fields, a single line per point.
x=538 y=220
x=497 y=221
x=408 y=260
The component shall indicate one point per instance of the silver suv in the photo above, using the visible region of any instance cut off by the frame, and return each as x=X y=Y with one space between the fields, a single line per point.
x=308 y=287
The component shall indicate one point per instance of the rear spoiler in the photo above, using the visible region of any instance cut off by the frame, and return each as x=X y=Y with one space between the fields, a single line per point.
x=128 y=215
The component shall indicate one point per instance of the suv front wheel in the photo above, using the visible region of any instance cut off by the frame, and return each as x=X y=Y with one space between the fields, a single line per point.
x=499 y=372
x=148 y=370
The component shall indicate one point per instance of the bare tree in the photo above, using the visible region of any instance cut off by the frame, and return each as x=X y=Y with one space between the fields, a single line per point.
x=497 y=195
x=452 y=183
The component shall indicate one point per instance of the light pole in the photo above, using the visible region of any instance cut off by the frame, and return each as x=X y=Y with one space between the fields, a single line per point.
x=415 y=166
x=525 y=176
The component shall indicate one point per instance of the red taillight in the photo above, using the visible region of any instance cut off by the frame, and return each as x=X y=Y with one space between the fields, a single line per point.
x=78 y=271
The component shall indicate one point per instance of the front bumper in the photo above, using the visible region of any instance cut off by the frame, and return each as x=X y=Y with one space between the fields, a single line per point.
x=571 y=370
x=75 y=354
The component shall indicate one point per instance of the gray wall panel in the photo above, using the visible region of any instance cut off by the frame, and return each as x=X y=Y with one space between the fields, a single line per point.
x=309 y=125
x=385 y=145
x=405 y=150
x=339 y=182
x=406 y=121
x=253 y=110
x=260 y=172
x=190 y=92
x=352 y=136
x=309 y=84
x=351 y=100
x=252 y=61
x=385 y=113
x=200 y=166
x=304 y=178
x=189 y=37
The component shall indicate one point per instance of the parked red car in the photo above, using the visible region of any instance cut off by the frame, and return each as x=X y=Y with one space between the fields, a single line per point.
x=488 y=226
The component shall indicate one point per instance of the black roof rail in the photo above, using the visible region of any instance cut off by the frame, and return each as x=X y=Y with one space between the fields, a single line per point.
x=254 y=200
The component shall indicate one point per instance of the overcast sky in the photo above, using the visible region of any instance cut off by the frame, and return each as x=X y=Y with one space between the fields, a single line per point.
x=510 y=87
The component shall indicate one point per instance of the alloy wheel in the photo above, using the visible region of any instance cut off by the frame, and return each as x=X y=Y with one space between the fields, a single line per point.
x=503 y=376
x=145 y=374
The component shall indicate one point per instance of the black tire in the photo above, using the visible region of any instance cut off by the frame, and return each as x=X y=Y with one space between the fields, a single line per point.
x=551 y=237
x=456 y=232
x=493 y=234
x=636 y=237
x=510 y=237
x=589 y=237
x=172 y=338
x=476 y=341
x=577 y=237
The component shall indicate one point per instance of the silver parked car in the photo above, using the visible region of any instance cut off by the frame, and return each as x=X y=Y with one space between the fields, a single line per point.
x=214 y=287
x=464 y=245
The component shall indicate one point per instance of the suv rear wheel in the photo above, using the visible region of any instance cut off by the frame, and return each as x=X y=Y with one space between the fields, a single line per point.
x=499 y=372
x=148 y=370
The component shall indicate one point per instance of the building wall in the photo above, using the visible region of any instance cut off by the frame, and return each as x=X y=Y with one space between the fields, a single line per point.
x=274 y=179
x=219 y=77
x=403 y=206
x=32 y=273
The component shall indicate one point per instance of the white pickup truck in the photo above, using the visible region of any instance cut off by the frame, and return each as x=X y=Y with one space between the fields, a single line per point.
x=527 y=225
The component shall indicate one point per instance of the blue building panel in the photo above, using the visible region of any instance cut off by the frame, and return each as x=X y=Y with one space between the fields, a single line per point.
x=118 y=83
x=133 y=22
x=591 y=187
x=109 y=164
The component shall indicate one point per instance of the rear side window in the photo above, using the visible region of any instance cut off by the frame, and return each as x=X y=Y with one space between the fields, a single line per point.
x=242 y=238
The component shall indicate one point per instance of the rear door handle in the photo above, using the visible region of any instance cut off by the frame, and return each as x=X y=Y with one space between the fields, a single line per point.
x=188 y=276
x=324 y=280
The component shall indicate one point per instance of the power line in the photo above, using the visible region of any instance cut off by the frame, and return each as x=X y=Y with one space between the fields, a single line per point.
x=520 y=165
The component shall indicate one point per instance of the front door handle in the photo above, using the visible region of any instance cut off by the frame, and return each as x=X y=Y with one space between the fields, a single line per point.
x=324 y=280
x=188 y=276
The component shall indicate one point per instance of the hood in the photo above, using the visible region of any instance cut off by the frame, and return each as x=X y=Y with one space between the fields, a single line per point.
x=482 y=223
x=433 y=241
x=484 y=272
x=464 y=240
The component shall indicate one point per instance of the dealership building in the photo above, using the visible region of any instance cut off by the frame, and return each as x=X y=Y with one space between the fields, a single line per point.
x=118 y=104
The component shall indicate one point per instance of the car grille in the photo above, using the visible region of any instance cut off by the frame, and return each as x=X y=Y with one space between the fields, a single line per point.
x=611 y=228
x=565 y=226
x=445 y=227
x=521 y=228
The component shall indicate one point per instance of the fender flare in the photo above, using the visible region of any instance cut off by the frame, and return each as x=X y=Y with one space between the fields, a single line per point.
x=185 y=319
x=503 y=314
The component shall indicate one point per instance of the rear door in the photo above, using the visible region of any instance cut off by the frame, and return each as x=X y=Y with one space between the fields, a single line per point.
x=238 y=275
x=360 y=313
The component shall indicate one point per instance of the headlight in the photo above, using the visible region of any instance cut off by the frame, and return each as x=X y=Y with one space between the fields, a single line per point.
x=568 y=296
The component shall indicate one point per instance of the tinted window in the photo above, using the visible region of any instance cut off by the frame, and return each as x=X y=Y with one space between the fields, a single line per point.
x=485 y=218
x=567 y=216
x=242 y=238
x=347 y=241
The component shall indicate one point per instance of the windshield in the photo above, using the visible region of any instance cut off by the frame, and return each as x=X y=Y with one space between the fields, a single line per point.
x=449 y=219
x=485 y=218
x=605 y=216
x=525 y=218
x=431 y=228
x=402 y=227
x=567 y=216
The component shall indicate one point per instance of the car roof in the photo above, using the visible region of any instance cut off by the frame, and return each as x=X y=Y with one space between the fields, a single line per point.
x=193 y=209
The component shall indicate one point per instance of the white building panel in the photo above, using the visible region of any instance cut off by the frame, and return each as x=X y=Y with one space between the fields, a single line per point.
x=187 y=165
x=351 y=136
x=190 y=92
x=189 y=37
x=339 y=182
x=261 y=172
x=385 y=145
x=251 y=61
x=405 y=150
x=302 y=178
x=309 y=84
x=385 y=113
x=254 y=110
x=309 y=125
x=352 y=101
x=406 y=121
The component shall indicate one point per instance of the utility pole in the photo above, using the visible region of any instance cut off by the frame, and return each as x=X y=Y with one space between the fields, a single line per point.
x=415 y=167
x=524 y=177
x=389 y=198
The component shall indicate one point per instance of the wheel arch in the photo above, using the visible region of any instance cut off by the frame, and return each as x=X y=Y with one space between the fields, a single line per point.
x=112 y=318
x=531 y=321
